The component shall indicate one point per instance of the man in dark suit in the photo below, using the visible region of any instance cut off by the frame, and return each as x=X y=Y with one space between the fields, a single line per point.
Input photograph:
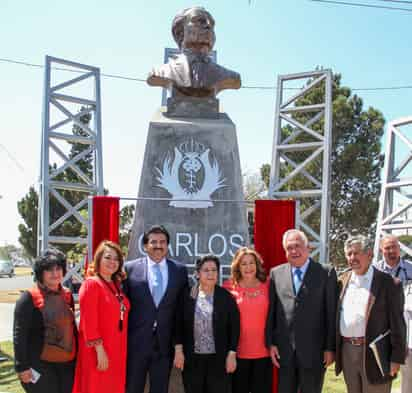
x=153 y=285
x=370 y=304
x=301 y=320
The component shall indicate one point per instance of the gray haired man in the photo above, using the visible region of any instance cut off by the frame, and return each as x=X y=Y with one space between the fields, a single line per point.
x=370 y=304
x=301 y=320
x=393 y=264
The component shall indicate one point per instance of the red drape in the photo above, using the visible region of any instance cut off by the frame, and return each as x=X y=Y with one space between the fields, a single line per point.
x=272 y=219
x=105 y=224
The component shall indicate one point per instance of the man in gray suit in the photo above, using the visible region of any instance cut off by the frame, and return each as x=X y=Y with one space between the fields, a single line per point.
x=301 y=321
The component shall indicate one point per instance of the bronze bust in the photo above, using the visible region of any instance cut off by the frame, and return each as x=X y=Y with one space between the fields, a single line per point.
x=193 y=73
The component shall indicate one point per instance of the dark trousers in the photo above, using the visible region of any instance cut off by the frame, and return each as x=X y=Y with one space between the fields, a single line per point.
x=54 y=377
x=253 y=376
x=294 y=378
x=205 y=374
x=154 y=364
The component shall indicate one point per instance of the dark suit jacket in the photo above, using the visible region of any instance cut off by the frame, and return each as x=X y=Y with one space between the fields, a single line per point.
x=304 y=323
x=384 y=311
x=143 y=312
x=226 y=324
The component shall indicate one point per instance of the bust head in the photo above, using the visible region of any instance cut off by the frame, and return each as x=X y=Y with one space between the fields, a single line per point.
x=193 y=29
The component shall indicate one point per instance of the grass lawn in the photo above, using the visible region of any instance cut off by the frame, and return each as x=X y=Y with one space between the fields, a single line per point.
x=10 y=384
x=334 y=384
x=8 y=379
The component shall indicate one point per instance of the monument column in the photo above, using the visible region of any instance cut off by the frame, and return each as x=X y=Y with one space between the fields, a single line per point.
x=191 y=180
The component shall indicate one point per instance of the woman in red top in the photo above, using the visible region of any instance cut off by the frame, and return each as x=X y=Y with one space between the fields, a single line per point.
x=250 y=287
x=101 y=361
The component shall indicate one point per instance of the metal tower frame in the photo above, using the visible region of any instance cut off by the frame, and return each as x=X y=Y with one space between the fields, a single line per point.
x=51 y=133
x=395 y=180
x=320 y=151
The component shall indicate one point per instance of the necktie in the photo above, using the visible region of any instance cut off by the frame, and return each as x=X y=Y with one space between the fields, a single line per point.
x=157 y=285
x=297 y=279
x=198 y=64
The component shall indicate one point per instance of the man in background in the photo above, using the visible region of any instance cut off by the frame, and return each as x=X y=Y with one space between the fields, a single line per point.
x=398 y=267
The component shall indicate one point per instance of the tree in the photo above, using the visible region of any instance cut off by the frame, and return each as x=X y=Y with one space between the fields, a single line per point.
x=27 y=208
x=126 y=221
x=356 y=161
x=253 y=186
x=7 y=251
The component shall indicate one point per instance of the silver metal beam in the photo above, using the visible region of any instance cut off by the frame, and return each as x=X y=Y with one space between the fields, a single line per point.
x=54 y=96
x=317 y=142
x=396 y=183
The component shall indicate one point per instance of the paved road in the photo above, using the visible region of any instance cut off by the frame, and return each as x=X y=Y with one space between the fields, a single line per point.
x=6 y=309
x=6 y=321
x=17 y=282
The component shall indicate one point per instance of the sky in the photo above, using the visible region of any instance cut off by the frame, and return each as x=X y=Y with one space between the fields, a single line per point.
x=260 y=39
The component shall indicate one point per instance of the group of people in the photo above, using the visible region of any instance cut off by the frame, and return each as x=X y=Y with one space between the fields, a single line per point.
x=140 y=318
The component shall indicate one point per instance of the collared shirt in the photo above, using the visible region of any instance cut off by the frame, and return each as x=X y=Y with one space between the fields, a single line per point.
x=296 y=284
x=303 y=268
x=150 y=274
x=354 y=304
x=403 y=270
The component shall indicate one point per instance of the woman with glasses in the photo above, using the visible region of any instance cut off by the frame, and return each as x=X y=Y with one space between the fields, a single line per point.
x=207 y=332
x=101 y=363
x=44 y=329
x=250 y=288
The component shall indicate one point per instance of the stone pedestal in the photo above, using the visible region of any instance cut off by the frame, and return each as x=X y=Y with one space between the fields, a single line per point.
x=190 y=163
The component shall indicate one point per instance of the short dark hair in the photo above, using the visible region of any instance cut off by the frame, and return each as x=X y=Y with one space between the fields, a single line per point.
x=156 y=229
x=207 y=258
x=50 y=258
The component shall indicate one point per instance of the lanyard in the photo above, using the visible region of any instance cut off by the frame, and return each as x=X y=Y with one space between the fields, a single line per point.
x=398 y=271
x=119 y=297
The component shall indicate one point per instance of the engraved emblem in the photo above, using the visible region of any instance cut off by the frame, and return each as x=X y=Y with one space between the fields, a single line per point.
x=191 y=175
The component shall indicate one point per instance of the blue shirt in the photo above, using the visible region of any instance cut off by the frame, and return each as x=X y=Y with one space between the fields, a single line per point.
x=403 y=270
x=303 y=269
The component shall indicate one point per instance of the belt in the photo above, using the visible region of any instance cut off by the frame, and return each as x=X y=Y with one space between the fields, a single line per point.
x=354 y=340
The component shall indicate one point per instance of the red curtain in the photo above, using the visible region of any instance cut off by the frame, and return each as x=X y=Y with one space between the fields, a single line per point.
x=105 y=224
x=272 y=219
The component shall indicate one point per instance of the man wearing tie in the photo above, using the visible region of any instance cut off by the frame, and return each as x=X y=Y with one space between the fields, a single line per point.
x=153 y=285
x=301 y=321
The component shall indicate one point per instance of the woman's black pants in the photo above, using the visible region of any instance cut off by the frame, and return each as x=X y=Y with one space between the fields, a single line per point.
x=205 y=374
x=253 y=376
x=55 y=378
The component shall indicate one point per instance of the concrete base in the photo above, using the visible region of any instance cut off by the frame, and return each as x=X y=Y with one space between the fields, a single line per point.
x=192 y=162
x=193 y=107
